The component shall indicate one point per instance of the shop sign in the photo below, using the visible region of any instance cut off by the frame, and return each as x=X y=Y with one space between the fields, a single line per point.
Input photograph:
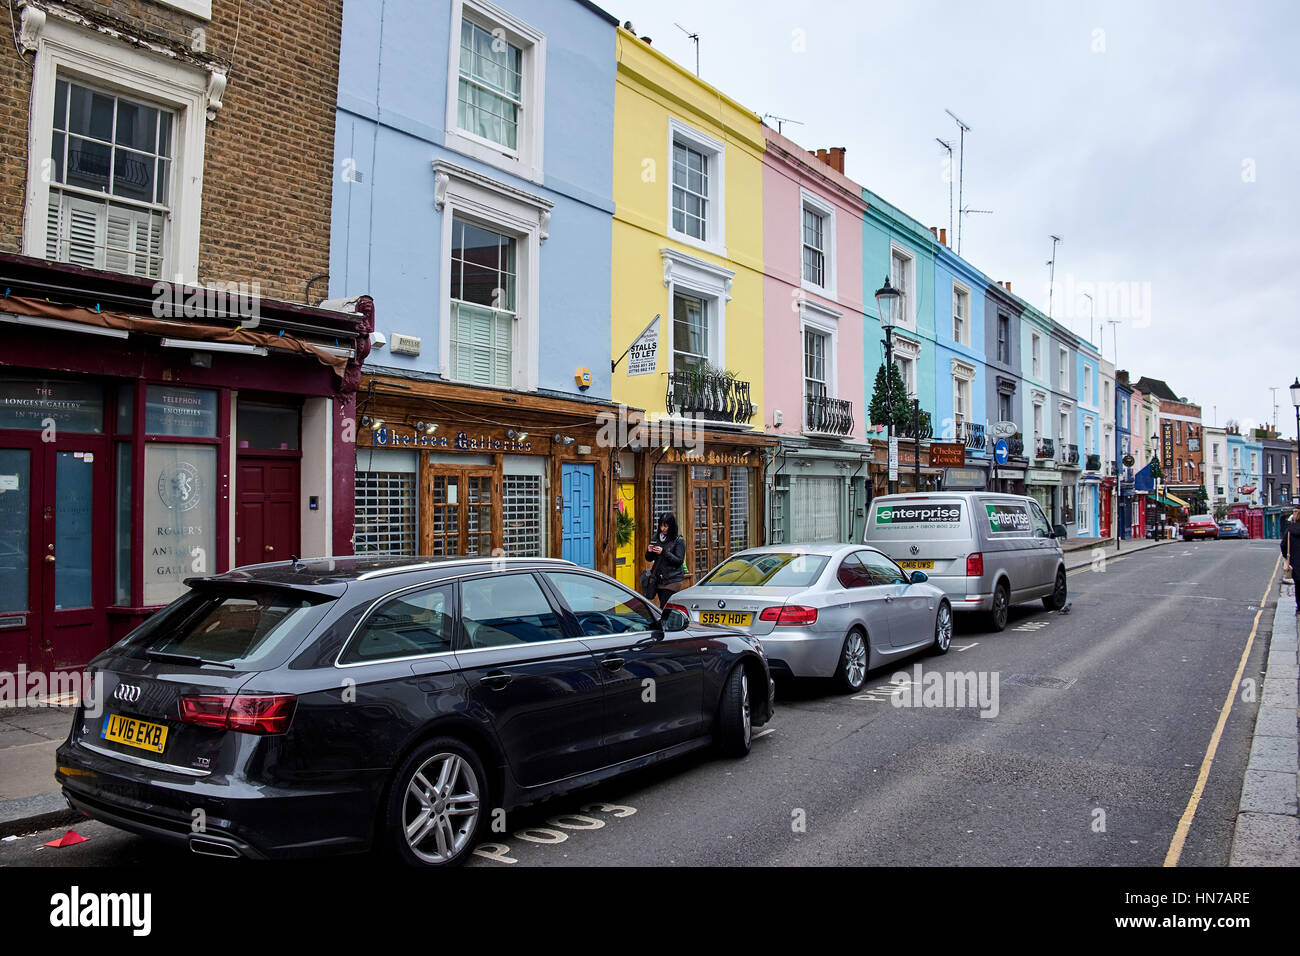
x=893 y=459
x=462 y=441
x=679 y=456
x=186 y=412
x=964 y=479
x=31 y=404
x=1167 y=444
x=643 y=356
x=947 y=454
x=1003 y=429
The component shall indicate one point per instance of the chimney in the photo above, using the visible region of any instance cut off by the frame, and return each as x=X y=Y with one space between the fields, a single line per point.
x=836 y=162
x=943 y=236
x=934 y=231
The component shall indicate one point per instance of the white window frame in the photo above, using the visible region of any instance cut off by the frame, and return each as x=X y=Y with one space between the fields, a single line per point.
x=473 y=197
x=1039 y=418
x=963 y=373
x=67 y=51
x=910 y=293
x=715 y=220
x=817 y=318
x=1036 y=347
x=690 y=275
x=195 y=8
x=525 y=160
x=1063 y=382
x=1087 y=385
x=959 y=288
x=907 y=350
x=826 y=210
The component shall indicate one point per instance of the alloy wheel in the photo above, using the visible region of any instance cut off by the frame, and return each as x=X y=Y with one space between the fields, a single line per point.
x=855 y=660
x=943 y=628
x=441 y=808
x=744 y=707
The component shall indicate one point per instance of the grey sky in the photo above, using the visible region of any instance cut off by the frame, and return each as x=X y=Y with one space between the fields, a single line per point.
x=1130 y=129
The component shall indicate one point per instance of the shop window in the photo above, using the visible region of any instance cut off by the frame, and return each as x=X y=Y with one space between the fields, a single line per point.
x=664 y=492
x=182 y=412
x=180 y=515
x=740 y=510
x=126 y=409
x=29 y=404
x=122 y=530
x=522 y=515
x=816 y=509
x=15 y=527
x=385 y=503
x=264 y=427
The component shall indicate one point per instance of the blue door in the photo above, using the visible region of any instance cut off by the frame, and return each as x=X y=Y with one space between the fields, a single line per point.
x=578 y=489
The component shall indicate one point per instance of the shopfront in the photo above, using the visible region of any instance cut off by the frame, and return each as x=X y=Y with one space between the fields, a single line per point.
x=1044 y=486
x=819 y=494
x=913 y=475
x=446 y=469
x=715 y=490
x=129 y=463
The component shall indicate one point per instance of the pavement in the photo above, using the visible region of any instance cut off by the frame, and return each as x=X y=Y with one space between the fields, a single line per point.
x=29 y=797
x=1268 y=824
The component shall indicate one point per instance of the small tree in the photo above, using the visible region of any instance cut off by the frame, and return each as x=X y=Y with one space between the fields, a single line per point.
x=897 y=410
x=1157 y=473
x=1221 y=512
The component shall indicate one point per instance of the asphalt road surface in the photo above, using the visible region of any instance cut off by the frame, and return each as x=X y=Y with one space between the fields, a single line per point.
x=1103 y=720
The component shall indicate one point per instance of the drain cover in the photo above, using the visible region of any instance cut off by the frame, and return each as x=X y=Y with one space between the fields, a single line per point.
x=1040 y=680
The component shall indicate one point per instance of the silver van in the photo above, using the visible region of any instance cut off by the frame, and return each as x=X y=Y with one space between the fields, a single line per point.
x=985 y=551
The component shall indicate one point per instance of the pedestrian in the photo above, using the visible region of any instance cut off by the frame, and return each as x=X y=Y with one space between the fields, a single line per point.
x=1291 y=554
x=667 y=554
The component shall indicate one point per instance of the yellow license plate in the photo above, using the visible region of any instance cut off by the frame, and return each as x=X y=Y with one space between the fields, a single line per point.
x=726 y=618
x=917 y=565
x=134 y=733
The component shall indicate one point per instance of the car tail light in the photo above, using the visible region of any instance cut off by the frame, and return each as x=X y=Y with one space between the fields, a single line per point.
x=243 y=713
x=790 y=614
x=975 y=565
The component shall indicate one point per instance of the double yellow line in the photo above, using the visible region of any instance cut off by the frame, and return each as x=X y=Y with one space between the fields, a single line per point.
x=1185 y=821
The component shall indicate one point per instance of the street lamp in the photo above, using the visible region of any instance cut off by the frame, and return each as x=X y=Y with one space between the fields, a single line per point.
x=886 y=305
x=1295 y=400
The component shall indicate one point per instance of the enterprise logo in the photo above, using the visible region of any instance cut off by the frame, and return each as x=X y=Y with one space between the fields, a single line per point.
x=918 y=514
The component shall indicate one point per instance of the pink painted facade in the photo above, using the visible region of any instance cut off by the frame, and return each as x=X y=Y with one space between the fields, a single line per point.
x=792 y=180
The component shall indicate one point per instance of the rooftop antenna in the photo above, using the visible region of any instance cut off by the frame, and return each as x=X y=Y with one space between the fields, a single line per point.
x=1114 y=338
x=1051 y=275
x=961 y=170
x=782 y=120
x=967 y=211
x=694 y=38
x=1273 y=389
x=947 y=144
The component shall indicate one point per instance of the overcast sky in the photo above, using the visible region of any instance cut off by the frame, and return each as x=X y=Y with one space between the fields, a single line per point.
x=1160 y=140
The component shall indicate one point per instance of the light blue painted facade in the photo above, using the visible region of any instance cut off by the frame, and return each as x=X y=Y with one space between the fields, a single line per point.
x=387 y=230
x=1245 y=458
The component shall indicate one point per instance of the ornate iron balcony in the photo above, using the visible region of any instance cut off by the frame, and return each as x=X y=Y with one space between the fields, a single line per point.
x=829 y=416
x=694 y=394
x=925 y=432
x=1045 y=448
x=1015 y=446
x=1069 y=454
x=974 y=435
x=1093 y=463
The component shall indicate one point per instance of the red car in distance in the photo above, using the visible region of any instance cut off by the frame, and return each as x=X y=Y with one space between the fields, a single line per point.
x=1200 y=526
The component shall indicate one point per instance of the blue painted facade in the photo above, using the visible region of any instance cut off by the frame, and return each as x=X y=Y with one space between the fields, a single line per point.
x=400 y=171
x=960 y=360
x=1124 y=446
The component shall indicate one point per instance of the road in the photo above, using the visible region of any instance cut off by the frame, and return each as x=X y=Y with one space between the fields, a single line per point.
x=1104 y=716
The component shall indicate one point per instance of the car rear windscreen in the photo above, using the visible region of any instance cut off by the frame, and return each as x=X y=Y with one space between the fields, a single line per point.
x=242 y=628
x=770 y=569
x=923 y=518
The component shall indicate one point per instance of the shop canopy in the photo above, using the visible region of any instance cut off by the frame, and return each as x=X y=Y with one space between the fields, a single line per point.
x=1172 y=501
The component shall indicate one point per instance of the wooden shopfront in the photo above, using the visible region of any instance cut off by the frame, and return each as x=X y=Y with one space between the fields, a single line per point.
x=717 y=495
x=454 y=470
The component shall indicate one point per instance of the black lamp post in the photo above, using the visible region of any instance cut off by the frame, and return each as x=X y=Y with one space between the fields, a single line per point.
x=1295 y=400
x=886 y=305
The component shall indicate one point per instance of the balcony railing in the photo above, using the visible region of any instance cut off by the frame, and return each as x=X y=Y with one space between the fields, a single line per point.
x=925 y=432
x=1015 y=446
x=1045 y=448
x=974 y=435
x=828 y=416
x=1069 y=454
x=712 y=397
x=1093 y=463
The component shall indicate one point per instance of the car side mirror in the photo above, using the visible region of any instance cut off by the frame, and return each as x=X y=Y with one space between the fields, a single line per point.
x=1058 y=531
x=919 y=577
x=674 y=619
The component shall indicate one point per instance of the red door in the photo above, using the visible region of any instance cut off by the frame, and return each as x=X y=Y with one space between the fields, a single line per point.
x=266 y=510
x=55 y=552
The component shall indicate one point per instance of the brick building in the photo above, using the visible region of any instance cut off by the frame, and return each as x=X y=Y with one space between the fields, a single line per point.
x=1179 y=440
x=169 y=402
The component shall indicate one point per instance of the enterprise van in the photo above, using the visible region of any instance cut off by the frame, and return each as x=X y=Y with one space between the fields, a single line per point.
x=985 y=551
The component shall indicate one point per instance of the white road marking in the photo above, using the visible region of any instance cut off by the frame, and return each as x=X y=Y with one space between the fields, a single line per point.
x=966 y=647
x=764 y=733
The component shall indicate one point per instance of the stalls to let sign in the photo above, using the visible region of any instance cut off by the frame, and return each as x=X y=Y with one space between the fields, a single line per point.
x=893 y=459
x=643 y=356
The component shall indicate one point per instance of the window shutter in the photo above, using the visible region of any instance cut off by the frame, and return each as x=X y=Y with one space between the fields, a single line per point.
x=83 y=225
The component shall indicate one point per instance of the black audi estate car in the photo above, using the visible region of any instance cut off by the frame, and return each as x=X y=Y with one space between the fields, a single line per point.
x=346 y=704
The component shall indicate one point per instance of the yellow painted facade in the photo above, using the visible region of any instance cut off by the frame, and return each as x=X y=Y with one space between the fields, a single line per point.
x=650 y=89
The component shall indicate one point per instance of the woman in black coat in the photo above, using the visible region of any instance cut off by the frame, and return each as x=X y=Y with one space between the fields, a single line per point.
x=1291 y=554
x=667 y=554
